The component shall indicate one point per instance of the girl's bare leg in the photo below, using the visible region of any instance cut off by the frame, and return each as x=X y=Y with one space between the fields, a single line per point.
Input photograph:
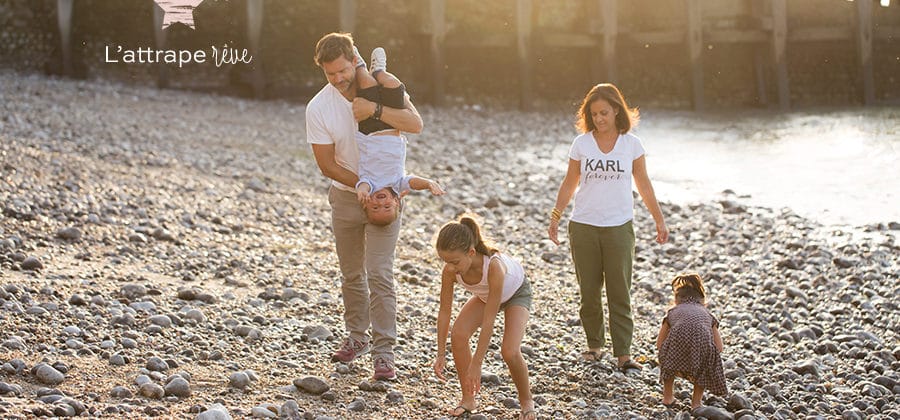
x=668 y=391
x=697 y=397
x=467 y=322
x=511 y=350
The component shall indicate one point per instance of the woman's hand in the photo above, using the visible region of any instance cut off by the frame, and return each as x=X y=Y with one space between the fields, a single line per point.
x=439 y=364
x=662 y=233
x=553 y=231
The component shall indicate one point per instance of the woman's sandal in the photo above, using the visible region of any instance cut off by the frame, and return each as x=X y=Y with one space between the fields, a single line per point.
x=591 y=356
x=466 y=413
x=630 y=364
x=528 y=415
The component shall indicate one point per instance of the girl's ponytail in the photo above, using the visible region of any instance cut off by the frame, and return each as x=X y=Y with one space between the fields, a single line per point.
x=480 y=244
x=461 y=236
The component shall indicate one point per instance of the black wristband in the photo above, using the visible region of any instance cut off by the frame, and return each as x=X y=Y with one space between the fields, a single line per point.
x=377 y=114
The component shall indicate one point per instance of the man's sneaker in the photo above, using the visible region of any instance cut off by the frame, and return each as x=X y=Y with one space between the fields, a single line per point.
x=384 y=369
x=360 y=62
x=379 y=60
x=350 y=350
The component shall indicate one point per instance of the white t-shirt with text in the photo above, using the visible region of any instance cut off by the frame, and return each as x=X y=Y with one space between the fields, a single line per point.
x=604 y=196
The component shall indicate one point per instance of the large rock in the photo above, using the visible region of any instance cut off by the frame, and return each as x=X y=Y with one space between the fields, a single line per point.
x=46 y=374
x=215 y=412
x=312 y=385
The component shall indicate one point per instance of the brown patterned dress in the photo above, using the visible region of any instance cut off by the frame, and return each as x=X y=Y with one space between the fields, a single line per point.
x=689 y=351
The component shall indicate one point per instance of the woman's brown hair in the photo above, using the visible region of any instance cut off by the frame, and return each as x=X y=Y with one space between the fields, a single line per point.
x=626 y=118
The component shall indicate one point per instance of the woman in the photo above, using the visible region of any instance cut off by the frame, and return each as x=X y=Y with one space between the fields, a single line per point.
x=602 y=162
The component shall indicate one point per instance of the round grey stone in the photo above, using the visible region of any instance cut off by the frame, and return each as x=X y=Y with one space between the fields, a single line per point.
x=215 y=412
x=161 y=320
x=178 y=387
x=120 y=392
x=32 y=263
x=155 y=364
x=46 y=374
x=312 y=385
x=152 y=391
x=239 y=380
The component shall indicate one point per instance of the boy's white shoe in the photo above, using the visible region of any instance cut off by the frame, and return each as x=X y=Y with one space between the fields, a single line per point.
x=379 y=60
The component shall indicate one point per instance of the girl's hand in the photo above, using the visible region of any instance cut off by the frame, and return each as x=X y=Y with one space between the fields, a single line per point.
x=662 y=233
x=473 y=380
x=440 y=363
x=553 y=231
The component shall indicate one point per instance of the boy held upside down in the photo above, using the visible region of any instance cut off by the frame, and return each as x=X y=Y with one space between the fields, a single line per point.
x=382 y=149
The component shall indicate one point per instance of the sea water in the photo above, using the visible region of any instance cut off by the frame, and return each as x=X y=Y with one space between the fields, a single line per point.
x=837 y=166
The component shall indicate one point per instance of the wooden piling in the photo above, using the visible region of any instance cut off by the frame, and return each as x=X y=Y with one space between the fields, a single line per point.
x=695 y=48
x=64 y=20
x=435 y=26
x=524 y=12
x=609 y=10
x=347 y=15
x=779 y=50
x=864 y=42
x=159 y=38
x=254 y=33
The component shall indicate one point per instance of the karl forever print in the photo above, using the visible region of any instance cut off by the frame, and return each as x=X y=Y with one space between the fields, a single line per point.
x=608 y=165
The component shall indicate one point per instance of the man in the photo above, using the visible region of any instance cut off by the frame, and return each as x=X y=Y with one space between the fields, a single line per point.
x=365 y=251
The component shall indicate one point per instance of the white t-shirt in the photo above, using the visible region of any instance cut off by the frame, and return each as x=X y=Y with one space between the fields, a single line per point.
x=329 y=120
x=382 y=160
x=604 y=195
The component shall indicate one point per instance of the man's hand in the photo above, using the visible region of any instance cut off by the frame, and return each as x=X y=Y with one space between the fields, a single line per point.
x=362 y=108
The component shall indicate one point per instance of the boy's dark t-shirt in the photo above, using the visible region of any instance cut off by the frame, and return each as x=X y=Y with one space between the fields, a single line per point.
x=390 y=97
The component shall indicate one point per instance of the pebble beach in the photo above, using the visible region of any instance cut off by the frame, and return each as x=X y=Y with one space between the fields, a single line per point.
x=168 y=254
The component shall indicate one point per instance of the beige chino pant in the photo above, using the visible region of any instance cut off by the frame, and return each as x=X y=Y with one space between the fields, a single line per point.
x=366 y=256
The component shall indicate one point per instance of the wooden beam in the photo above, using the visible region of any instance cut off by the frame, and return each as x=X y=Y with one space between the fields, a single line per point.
x=568 y=40
x=887 y=33
x=524 y=12
x=735 y=36
x=347 y=18
x=668 y=37
x=864 y=40
x=779 y=50
x=438 y=29
x=64 y=20
x=610 y=38
x=159 y=37
x=254 y=36
x=821 y=33
x=502 y=40
x=695 y=49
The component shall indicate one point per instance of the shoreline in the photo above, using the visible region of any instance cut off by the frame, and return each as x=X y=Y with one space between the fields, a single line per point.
x=204 y=242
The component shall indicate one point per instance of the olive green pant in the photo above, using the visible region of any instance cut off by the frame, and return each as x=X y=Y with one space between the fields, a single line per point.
x=604 y=255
